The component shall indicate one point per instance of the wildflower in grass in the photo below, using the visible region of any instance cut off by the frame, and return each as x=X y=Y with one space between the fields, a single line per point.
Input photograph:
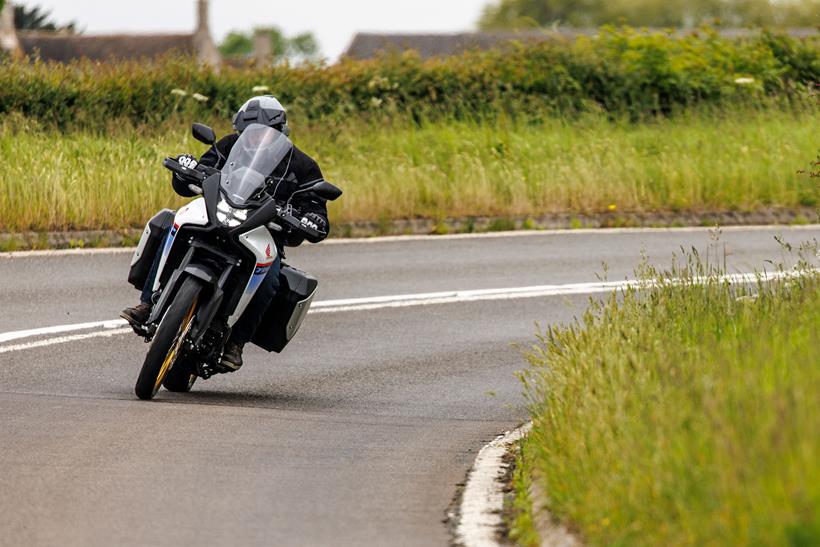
x=179 y=92
x=612 y=207
x=260 y=88
x=378 y=82
x=200 y=98
x=744 y=80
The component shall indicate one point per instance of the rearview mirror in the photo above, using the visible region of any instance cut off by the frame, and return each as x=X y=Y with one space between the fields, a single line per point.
x=203 y=133
x=327 y=191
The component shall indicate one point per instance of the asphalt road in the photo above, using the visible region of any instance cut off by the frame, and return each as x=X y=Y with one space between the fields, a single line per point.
x=357 y=435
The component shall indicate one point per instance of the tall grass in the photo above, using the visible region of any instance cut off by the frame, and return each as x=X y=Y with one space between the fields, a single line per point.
x=744 y=161
x=686 y=416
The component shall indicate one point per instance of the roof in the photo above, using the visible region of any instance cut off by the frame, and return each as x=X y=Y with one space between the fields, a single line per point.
x=64 y=47
x=370 y=45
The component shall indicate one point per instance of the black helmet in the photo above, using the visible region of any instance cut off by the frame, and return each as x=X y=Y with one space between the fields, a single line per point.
x=265 y=110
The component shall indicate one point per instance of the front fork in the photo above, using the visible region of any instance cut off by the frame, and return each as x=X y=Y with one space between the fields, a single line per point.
x=207 y=311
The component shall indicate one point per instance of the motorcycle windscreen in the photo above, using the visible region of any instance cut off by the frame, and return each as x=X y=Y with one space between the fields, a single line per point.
x=252 y=159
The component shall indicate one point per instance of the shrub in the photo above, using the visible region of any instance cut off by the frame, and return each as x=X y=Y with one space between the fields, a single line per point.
x=622 y=71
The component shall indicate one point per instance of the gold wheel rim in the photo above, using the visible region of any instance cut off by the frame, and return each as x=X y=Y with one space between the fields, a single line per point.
x=172 y=355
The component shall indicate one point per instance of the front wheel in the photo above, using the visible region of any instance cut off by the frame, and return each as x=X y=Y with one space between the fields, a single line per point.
x=168 y=340
x=181 y=377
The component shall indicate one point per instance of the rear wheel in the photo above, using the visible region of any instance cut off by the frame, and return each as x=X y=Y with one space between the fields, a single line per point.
x=167 y=344
x=181 y=377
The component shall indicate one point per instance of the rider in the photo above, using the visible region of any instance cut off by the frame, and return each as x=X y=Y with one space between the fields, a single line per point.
x=296 y=169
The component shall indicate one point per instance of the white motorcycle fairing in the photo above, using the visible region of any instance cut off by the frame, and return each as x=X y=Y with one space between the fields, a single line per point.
x=258 y=241
x=194 y=213
x=261 y=244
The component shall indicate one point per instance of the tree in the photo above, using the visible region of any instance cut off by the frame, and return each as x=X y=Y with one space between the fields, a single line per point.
x=236 y=44
x=299 y=47
x=653 y=13
x=36 y=18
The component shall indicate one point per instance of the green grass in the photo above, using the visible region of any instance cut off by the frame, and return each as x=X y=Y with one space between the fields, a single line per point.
x=682 y=416
x=697 y=162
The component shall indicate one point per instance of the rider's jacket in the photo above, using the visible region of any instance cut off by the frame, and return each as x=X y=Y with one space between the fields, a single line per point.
x=301 y=169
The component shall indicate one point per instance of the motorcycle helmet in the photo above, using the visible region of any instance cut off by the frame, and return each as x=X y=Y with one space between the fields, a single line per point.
x=265 y=110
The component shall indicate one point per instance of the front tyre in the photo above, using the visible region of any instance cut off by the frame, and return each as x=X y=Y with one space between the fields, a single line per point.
x=168 y=340
x=181 y=377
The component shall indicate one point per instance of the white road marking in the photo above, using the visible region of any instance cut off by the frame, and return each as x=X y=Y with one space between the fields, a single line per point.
x=16 y=335
x=62 y=340
x=381 y=302
x=568 y=231
x=483 y=499
x=452 y=297
x=447 y=237
x=68 y=252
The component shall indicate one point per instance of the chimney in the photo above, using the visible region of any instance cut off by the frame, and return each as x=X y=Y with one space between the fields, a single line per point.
x=8 y=36
x=206 y=51
x=262 y=48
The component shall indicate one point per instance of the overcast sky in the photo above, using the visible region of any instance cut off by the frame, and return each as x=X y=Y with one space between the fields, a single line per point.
x=333 y=21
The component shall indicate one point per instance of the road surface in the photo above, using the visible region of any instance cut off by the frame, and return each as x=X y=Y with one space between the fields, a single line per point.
x=357 y=435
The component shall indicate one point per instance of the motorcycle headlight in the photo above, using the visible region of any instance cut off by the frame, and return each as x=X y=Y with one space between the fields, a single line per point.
x=230 y=216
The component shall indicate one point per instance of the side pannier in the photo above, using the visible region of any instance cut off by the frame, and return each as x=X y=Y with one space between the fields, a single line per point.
x=148 y=247
x=287 y=310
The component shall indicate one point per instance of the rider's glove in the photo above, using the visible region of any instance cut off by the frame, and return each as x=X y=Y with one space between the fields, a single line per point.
x=187 y=160
x=318 y=223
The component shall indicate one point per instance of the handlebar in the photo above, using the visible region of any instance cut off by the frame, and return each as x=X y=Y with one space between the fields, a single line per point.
x=283 y=215
x=198 y=173
x=174 y=166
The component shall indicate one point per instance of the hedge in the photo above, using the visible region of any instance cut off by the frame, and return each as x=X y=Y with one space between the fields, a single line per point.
x=622 y=71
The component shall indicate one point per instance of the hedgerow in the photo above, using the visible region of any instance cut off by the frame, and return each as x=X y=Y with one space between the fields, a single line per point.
x=622 y=71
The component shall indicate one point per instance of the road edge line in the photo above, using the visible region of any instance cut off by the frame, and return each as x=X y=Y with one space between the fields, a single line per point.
x=448 y=237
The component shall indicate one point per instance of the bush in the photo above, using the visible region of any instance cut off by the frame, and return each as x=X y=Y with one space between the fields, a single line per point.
x=622 y=72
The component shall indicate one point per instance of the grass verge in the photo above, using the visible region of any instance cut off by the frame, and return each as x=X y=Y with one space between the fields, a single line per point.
x=746 y=161
x=685 y=415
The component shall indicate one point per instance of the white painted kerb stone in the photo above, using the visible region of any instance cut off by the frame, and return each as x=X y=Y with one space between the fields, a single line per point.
x=483 y=498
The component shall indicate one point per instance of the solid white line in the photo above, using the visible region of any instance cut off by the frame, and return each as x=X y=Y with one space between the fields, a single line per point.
x=536 y=291
x=393 y=301
x=568 y=231
x=68 y=252
x=447 y=237
x=483 y=498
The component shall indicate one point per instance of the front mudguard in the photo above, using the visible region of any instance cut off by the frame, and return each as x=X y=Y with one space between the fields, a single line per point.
x=203 y=273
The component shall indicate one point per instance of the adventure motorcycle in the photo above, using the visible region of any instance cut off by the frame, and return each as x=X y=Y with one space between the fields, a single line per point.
x=214 y=258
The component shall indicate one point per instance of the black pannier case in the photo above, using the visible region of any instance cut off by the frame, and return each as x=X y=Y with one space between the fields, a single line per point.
x=287 y=311
x=148 y=247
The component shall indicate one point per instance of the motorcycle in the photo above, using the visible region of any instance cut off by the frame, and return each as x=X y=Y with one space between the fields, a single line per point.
x=216 y=251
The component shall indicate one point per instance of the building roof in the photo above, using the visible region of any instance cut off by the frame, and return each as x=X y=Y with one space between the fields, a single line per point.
x=370 y=45
x=65 y=48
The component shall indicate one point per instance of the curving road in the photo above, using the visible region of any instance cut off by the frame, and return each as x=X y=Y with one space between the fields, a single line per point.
x=357 y=435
